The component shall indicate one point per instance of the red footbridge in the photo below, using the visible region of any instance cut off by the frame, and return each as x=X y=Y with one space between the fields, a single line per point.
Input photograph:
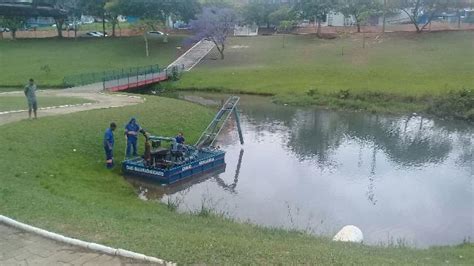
x=138 y=79
x=125 y=79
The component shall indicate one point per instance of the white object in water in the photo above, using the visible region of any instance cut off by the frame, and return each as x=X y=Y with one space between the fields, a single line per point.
x=349 y=233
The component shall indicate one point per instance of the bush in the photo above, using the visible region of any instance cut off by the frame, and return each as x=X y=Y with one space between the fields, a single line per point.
x=455 y=104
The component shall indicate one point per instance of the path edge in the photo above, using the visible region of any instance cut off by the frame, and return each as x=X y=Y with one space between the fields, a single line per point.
x=80 y=243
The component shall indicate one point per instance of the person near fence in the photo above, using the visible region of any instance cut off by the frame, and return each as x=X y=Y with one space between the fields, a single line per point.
x=131 y=132
x=30 y=93
x=109 y=145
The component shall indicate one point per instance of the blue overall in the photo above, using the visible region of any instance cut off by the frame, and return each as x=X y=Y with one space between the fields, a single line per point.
x=132 y=126
x=109 y=147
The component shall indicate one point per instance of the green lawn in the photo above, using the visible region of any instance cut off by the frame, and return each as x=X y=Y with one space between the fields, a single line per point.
x=44 y=182
x=11 y=103
x=25 y=58
x=400 y=64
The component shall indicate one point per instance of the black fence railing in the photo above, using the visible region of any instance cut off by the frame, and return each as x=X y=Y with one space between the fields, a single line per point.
x=96 y=77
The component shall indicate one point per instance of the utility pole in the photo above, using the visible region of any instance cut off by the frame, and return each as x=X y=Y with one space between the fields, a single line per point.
x=384 y=15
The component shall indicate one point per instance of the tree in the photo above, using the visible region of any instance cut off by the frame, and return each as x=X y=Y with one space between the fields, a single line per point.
x=458 y=6
x=95 y=8
x=12 y=23
x=57 y=4
x=258 y=12
x=360 y=10
x=285 y=26
x=215 y=24
x=113 y=9
x=186 y=10
x=284 y=13
x=152 y=14
x=418 y=9
x=314 y=9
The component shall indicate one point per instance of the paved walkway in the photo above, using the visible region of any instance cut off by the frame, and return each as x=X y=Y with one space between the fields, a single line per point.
x=21 y=248
x=91 y=92
x=194 y=55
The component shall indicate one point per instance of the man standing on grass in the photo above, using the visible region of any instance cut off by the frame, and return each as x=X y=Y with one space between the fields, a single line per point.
x=109 y=145
x=30 y=93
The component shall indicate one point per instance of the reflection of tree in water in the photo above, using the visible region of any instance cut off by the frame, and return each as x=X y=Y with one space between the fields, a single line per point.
x=315 y=135
x=371 y=187
x=410 y=142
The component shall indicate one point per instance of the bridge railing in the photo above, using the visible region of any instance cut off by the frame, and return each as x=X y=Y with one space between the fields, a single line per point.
x=137 y=79
x=95 y=77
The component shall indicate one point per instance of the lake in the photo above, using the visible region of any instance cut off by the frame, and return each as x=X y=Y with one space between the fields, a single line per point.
x=401 y=179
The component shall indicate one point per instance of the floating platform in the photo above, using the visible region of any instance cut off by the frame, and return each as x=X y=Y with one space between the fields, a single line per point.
x=176 y=162
x=169 y=172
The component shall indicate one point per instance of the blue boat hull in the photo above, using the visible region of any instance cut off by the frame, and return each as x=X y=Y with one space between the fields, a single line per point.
x=210 y=162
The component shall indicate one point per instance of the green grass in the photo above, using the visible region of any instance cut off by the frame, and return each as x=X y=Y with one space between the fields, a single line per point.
x=25 y=58
x=47 y=184
x=410 y=64
x=407 y=69
x=10 y=103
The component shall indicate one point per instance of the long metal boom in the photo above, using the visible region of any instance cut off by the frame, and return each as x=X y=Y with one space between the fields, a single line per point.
x=209 y=136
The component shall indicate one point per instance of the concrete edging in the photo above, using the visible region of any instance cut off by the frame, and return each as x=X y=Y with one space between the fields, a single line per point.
x=87 y=245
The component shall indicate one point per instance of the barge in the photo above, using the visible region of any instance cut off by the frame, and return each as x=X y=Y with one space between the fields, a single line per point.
x=167 y=162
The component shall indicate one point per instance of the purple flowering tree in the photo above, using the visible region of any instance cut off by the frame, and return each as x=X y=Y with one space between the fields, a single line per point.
x=215 y=24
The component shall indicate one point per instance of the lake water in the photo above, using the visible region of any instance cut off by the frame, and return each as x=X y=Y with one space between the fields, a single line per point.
x=405 y=179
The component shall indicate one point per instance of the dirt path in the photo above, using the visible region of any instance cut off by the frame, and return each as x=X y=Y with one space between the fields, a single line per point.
x=91 y=92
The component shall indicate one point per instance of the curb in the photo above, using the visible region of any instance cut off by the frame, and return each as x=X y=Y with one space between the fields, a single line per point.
x=88 y=245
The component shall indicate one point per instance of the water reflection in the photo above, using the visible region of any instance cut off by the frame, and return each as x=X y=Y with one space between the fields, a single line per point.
x=406 y=178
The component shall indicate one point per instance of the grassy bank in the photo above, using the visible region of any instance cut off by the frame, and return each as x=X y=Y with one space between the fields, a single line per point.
x=396 y=72
x=10 y=103
x=49 y=60
x=48 y=184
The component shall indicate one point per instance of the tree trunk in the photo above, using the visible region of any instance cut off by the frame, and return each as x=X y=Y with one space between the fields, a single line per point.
x=13 y=32
x=114 y=24
x=147 y=51
x=59 y=26
x=318 y=32
x=358 y=27
x=221 y=51
x=459 y=19
x=384 y=20
x=103 y=23
x=75 y=28
x=418 y=30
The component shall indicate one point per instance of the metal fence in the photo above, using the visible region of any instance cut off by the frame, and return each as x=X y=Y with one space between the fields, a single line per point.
x=137 y=79
x=95 y=77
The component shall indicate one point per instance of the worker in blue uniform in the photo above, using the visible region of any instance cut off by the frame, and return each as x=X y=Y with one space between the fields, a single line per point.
x=131 y=132
x=180 y=138
x=109 y=145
